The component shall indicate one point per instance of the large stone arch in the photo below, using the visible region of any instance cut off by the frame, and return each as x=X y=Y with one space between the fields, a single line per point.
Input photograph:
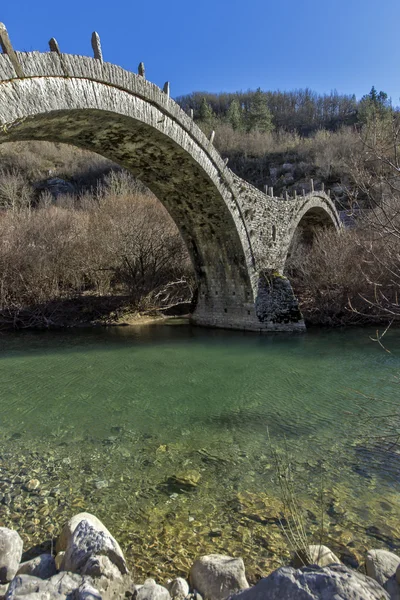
x=223 y=219
x=134 y=133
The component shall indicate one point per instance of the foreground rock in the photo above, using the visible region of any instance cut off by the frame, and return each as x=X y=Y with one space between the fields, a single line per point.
x=3 y=591
x=69 y=528
x=42 y=566
x=316 y=555
x=178 y=588
x=101 y=566
x=217 y=576
x=381 y=565
x=88 y=542
x=331 y=583
x=152 y=591
x=69 y=586
x=10 y=553
x=58 y=587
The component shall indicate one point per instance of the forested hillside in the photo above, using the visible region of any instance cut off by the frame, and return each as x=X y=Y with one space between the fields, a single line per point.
x=300 y=111
x=283 y=139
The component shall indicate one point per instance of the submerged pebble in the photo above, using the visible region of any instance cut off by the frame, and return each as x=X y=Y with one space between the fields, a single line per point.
x=33 y=484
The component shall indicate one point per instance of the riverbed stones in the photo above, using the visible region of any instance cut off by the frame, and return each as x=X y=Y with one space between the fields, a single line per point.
x=87 y=542
x=313 y=583
x=152 y=591
x=184 y=480
x=381 y=565
x=178 y=588
x=216 y=576
x=58 y=587
x=10 y=553
x=33 y=484
x=316 y=554
x=42 y=566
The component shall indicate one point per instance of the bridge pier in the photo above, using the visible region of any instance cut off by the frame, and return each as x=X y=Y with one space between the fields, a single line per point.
x=272 y=308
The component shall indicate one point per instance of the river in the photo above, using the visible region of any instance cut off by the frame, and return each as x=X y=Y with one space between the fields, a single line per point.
x=172 y=435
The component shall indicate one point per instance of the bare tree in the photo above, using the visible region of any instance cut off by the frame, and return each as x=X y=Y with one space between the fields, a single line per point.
x=375 y=172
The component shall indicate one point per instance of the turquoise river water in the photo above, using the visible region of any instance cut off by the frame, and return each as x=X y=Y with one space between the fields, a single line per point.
x=174 y=436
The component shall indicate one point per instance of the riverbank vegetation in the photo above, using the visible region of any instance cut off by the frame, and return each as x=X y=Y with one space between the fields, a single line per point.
x=83 y=241
x=84 y=254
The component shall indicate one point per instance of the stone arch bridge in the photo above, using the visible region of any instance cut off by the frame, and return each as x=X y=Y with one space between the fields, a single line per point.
x=238 y=237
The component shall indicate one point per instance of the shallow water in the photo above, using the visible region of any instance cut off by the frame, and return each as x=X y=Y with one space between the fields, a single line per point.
x=171 y=434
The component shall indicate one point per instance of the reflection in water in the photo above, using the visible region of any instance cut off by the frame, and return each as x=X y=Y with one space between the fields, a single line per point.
x=106 y=419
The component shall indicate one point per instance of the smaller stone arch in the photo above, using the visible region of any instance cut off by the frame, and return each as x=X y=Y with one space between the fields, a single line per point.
x=316 y=213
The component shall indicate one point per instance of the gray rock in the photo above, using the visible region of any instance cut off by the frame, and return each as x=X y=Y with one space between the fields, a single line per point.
x=178 y=588
x=57 y=587
x=87 y=592
x=56 y=187
x=72 y=524
x=10 y=553
x=313 y=583
x=317 y=555
x=381 y=565
x=101 y=566
x=217 y=576
x=42 y=566
x=87 y=542
x=151 y=591
x=392 y=588
x=25 y=585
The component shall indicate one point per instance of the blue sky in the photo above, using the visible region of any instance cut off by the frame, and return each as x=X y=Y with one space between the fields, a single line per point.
x=227 y=45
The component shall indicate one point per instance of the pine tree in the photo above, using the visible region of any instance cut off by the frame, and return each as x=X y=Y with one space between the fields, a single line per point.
x=259 y=116
x=234 y=114
x=374 y=107
x=206 y=114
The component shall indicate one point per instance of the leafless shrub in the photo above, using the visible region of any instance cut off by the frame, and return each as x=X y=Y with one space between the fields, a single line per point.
x=253 y=143
x=329 y=152
x=144 y=251
x=15 y=191
x=106 y=244
x=340 y=280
